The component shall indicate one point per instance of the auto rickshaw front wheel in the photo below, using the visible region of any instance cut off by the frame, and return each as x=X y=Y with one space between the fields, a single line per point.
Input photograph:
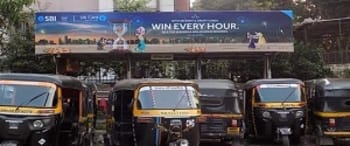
x=238 y=142
x=285 y=140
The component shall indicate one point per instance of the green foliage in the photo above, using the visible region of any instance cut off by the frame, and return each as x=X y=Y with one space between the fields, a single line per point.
x=10 y=15
x=224 y=5
x=328 y=9
x=305 y=63
x=19 y=53
x=346 y=73
x=246 y=69
x=130 y=5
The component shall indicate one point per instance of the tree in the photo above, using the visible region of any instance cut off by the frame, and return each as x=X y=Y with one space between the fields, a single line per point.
x=224 y=5
x=327 y=9
x=305 y=63
x=19 y=53
x=130 y=5
x=10 y=15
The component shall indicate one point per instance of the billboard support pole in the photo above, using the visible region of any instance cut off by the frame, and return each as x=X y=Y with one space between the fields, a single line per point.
x=128 y=68
x=56 y=61
x=198 y=68
x=267 y=66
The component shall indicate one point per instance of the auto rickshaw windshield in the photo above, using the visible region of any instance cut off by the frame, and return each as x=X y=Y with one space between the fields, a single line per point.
x=26 y=95
x=220 y=101
x=167 y=97
x=279 y=93
x=334 y=101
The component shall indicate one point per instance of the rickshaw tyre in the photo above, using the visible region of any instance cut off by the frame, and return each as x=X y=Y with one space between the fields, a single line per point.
x=238 y=142
x=317 y=137
x=285 y=140
x=295 y=139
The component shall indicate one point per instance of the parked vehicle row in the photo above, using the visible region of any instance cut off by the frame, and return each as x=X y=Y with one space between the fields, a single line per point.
x=38 y=109
x=281 y=110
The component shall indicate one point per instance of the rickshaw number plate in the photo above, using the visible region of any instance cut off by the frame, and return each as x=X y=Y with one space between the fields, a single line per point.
x=233 y=130
x=13 y=126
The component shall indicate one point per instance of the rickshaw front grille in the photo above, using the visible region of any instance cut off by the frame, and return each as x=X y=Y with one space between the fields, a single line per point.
x=215 y=125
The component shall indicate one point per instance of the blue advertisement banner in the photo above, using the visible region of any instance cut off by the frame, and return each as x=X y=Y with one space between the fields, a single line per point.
x=164 y=32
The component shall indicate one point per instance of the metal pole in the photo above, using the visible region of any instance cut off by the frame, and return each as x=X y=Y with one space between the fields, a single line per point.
x=128 y=68
x=56 y=61
x=267 y=67
x=158 y=5
x=199 y=68
x=56 y=64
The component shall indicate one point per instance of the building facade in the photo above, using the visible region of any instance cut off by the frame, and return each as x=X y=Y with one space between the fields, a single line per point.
x=169 y=5
x=105 y=5
x=73 y=6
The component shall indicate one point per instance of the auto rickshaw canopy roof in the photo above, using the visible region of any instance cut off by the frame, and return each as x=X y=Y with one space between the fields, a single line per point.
x=60 y=80
x=215 y=84
x=330 y=83
x=256 y=82
x=131 y=84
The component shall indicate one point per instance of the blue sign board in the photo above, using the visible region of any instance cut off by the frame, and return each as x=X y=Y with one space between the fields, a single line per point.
x=164 y=32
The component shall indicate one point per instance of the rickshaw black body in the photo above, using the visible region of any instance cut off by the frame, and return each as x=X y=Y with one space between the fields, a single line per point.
x=22 y=124
x=278 y=120
x=329 y=104
x=266 y=127
x=25 y=134
x=145 y=127
x=222 y=107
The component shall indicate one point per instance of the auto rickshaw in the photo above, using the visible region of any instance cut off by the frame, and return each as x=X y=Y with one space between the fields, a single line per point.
x=43 y=110
x=329 y=102
x=222 y=107
x=154 y=112
x=275 y=109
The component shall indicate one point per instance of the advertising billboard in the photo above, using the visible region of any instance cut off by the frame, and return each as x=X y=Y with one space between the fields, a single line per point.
x=164 y=32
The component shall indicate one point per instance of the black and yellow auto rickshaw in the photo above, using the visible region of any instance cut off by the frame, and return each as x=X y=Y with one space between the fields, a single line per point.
x=222 y=106
x=154 y=112
x=43 y=110
x=329 y=102
x=275 y=109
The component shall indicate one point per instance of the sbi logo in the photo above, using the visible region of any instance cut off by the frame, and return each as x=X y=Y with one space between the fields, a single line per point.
x=102 y=18
x=46 y=18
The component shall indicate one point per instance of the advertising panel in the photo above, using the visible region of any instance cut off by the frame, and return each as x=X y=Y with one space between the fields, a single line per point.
x=164 y=32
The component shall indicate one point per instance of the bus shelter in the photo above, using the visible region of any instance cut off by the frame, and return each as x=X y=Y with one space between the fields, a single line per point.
x=132 y=36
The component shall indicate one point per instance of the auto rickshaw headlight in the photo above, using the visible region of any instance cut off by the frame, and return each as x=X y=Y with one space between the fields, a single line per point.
x=38 y=124
x=299 y=114
x=190 y=123
x=266 y=114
